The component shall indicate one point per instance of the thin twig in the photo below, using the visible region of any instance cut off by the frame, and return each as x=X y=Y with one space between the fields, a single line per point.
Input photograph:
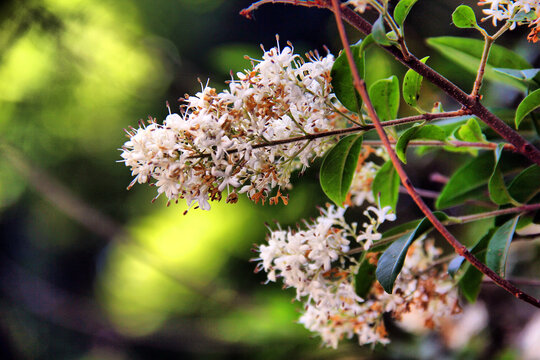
x=423 y=193
x=247 y=12
x=454 y=220
x=459 y=248
x=520 y=281
x=367 y=127
x=488 y=41
x=514 y=210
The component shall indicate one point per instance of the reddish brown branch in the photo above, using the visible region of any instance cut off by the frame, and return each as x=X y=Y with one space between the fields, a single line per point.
x=469 y=102
x=360 y=128
x=458 y=247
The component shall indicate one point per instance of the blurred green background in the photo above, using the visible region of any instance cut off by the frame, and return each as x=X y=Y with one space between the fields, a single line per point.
x=92 y=271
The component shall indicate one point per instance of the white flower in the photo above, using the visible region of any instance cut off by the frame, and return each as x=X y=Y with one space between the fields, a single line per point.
x=216 y=143
x=368 y=236
x=382 y=214
x=359 y=5
x=506 y=10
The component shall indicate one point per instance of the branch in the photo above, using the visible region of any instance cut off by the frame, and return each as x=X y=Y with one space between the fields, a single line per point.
x=360 y=128
x=469 y=102
x=247 y=12
x=458 y=247
x=454 y=220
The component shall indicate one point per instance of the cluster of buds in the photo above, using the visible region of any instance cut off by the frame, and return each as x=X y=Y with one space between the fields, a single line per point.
x=522 y=12
x=238 y=139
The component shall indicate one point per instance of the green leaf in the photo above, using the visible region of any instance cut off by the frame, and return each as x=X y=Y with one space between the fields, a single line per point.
x=497 y=188
x=385 y=186
x=429 y=132
x=528 y=105
x=379 y=32
x=391 y=261
x=525 y=75
x=412 y=82
x=365 y=277
x=471 y=280
x=454 y=265
x=468 y=52
x=467 y=178
x=464 y=17
x=524 y=16
x=342 y=81
x=526 y=184
x=338 y=166
x=367 y=42
x=384 y=95
x=471 y=132
x=402 y=10
x=499 y=244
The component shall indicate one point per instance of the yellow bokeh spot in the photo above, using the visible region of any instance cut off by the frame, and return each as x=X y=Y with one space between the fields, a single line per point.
x=168 y=265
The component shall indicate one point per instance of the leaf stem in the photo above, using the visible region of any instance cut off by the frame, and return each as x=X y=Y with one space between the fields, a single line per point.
x=458 y=247
x=488 y=41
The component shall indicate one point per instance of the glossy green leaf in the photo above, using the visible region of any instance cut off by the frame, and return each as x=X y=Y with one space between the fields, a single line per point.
x=428 y=132
x=402 y=10
x=467 y=178
x=497 y=188
x=464 y=17
x=528 y=105
x=396 y=232
x=458 y=261
x=338 y=166
x=525 y=75
x=526 y=184
x=379 y=32
x=412 y=82
x=391 y=261
x=471 y=132
x=471 y=280
x=367 y=42
x=497 y=250
x=384 y=95
x=342 y=81
x=523 y=16
x=468 y=181
x=385 y=186
x=365 y=277
x=455 y=265
x=468 y=52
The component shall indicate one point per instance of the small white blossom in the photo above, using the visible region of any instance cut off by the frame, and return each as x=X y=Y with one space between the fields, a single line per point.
x=507 y=10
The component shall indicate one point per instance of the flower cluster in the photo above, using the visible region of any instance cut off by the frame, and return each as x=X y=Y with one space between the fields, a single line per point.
x=317 y=263
x=241 y=138
x=519 y=11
